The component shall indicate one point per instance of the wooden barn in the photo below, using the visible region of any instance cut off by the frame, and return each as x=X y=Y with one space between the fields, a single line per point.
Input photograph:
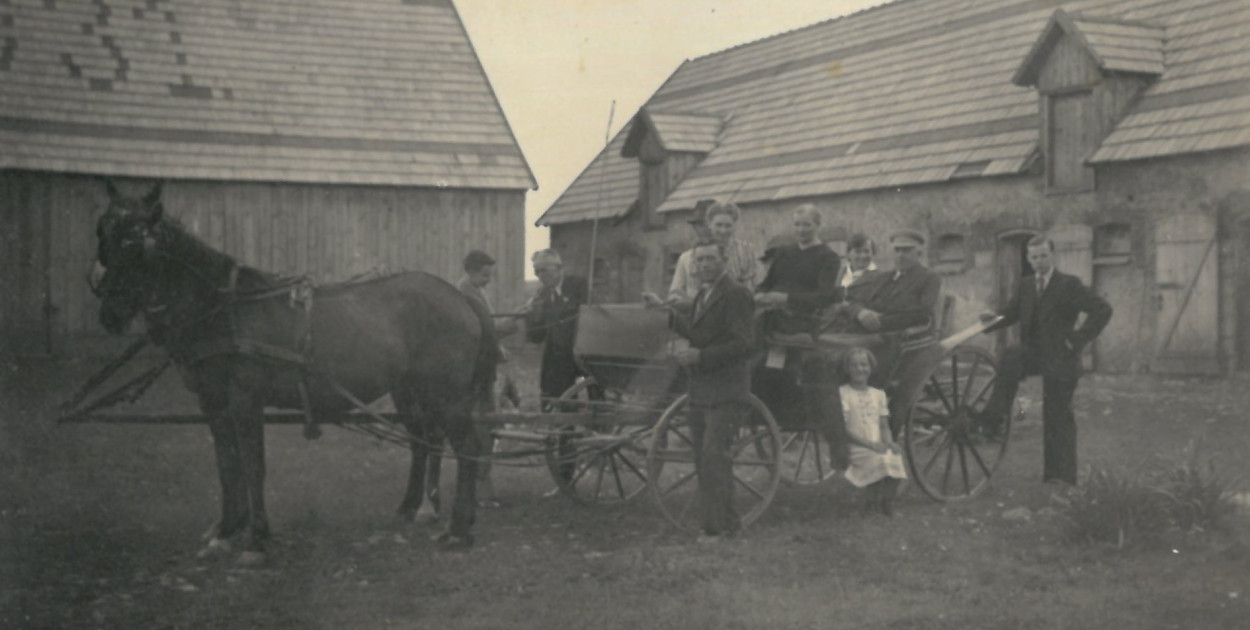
x=323 y=138
x=1119 y=127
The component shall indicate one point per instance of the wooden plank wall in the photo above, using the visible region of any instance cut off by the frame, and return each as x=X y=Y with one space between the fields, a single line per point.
x=330 y=233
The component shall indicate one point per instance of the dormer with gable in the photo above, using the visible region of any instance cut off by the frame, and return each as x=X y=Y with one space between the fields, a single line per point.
x=1087 y=72
x=668 y=145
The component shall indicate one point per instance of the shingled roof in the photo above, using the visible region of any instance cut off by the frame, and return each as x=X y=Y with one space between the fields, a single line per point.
x=383 y=92
x=920 y=91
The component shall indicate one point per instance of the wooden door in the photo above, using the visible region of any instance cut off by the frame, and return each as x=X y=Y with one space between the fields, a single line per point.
x=1186 y=296
x=25 y=223
x=1013 y=263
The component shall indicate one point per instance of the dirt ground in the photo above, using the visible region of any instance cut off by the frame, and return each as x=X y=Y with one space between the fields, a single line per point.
x=99 y=526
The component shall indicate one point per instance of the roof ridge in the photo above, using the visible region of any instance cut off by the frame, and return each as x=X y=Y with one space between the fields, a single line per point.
x=881 y=5
x=1109 y=19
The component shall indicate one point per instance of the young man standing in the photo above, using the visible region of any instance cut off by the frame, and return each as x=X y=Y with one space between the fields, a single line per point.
x=720 y=326
x=1046 y=306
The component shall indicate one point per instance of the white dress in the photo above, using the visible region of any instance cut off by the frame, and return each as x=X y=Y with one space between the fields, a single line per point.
x=862 y=410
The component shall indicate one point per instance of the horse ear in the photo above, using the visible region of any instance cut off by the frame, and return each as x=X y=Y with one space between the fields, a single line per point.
x=152 y=202
x=154 y=197
x=111 y=190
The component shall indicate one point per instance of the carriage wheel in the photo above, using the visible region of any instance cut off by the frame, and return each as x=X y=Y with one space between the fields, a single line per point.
x=596 y=465
x=671 y=468
x=805 y=458
x=949 y=457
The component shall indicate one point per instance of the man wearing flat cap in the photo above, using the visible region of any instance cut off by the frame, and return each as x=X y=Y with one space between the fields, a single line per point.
x=895 y=299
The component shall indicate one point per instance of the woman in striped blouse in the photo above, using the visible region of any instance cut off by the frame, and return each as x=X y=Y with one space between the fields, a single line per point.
x=720 y=221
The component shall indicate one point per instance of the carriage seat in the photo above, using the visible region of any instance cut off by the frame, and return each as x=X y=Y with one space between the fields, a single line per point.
x=908 y=339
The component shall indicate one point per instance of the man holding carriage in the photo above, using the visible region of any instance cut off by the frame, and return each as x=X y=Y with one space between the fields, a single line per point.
x=720 y=326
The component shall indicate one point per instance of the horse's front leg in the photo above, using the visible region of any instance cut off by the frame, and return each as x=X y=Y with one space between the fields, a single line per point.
x=247 y=416
x=230 y=475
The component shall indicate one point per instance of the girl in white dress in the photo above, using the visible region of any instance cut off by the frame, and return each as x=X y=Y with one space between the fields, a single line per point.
x=876 y=460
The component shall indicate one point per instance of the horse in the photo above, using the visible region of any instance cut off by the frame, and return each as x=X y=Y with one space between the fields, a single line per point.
x=245 y=339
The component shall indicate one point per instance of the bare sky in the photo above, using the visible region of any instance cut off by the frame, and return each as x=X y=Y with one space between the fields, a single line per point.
x=557 y=65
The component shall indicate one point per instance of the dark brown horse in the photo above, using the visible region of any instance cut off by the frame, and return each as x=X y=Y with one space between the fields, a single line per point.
x=245 y=339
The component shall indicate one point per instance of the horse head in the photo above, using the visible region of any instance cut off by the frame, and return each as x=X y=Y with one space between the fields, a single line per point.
x=125 y=255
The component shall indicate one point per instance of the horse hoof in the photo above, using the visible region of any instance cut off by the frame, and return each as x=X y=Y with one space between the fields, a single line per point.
x=251 y=558
x=212 y=533
x=215 y=547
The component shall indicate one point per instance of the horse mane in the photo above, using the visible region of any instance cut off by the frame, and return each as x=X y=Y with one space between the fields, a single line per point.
x=215 y=265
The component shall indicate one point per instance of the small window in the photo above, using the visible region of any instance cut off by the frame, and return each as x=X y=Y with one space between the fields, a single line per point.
x=950 y=255
x=1113 y=244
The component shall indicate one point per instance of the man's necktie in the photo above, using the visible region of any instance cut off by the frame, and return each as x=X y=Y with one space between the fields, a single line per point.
x=699 y=301
x=1041 y=285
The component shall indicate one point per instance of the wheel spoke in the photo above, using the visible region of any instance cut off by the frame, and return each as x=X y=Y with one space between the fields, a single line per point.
x=937 y=390
x=928 y=438
x=680 y=482
x=751 y=437
x=820 y=461
x=580 y=472
x=616 y=476
x=950 y=456
x=980 y=462
x=955 y=381
x=985 y=389
x=963 y=466
x=599 y=478
x=932 y=413
x=798 y=467
x=972 y=376
x=749 y=488
x=632 y=467
x=675 y=431
x=937 y=451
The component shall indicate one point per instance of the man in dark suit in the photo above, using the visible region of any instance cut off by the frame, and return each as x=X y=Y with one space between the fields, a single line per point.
x=720 y=327
x=885 y=301
x=1046 y=306
x=552 y=321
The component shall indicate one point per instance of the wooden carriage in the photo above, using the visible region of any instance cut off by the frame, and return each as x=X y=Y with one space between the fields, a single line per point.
x=936 y=386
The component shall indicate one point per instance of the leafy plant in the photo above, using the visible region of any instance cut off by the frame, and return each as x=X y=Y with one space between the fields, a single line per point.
x=1198 y=497
x=1122 y=511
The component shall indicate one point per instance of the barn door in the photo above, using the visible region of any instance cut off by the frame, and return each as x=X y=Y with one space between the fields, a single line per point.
x=1074 y=255
x=1013 y=263
x=26 y=256
x=1187 y=296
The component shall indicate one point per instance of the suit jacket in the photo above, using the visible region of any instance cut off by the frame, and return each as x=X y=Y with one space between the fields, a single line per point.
x=553 y=320
x=908 y=301
x=1047 y=322
x=722 y=331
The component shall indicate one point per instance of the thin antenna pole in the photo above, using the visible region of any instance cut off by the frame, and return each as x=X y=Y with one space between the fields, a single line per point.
x=594 y=225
